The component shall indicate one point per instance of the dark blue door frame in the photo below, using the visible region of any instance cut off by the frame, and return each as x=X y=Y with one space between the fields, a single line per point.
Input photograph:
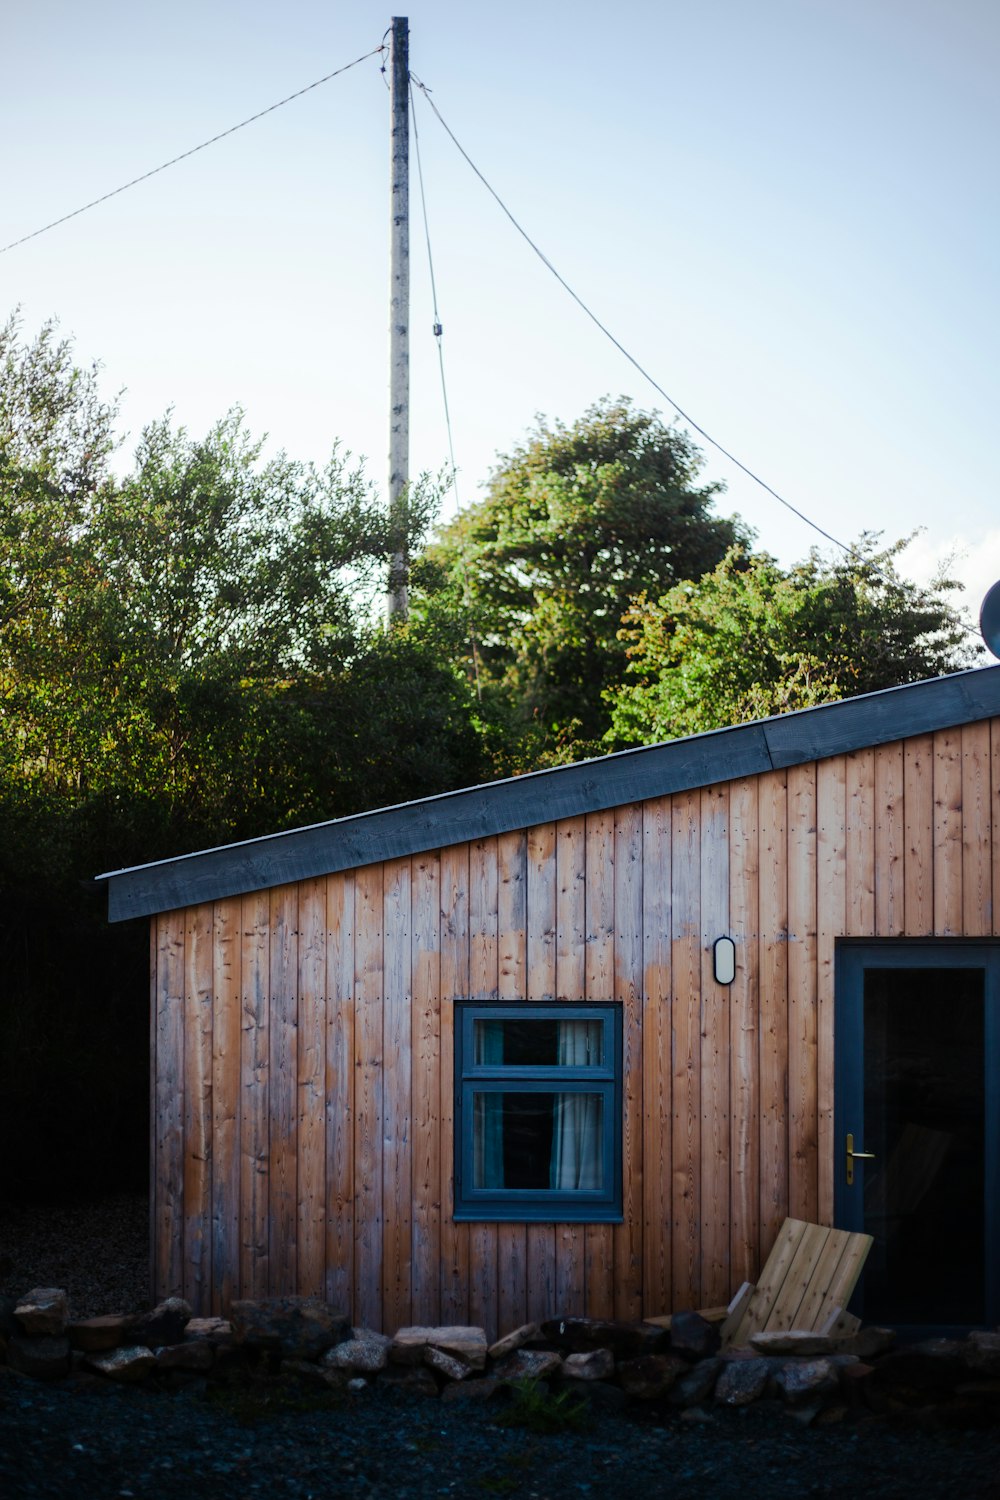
x=855 y=957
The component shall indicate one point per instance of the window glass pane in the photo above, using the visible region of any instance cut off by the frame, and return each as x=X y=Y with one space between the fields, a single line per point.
x=537 y=1043
x=538 y=1140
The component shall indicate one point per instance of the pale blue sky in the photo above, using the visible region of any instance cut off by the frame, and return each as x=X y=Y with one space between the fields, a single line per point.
x=788 y=212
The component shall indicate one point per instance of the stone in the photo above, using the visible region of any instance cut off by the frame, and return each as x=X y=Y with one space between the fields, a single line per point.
x=805 y=1380
x=512 y=1341
x=650 y=1375
x=357 y=1385
x=933 y=1364
x=696 y=1384
x=869 y=1343
x=855 y=1380
x=625 y=1340
x=601 y=1395
x=964 y=1412
x=831 y=1415
x=305 y=1370
x=96 y=1335
x=196 y=1355
x=591 y=1364
x=982 y=1352
x=697 y=1414
x=466 y=1344
x=445 y=1364
x=742 y=1381
x=797 y=1341
x=294 y=1327
x=478 y=1388
x=805 y=1415
x=693 y=1336
x=528 y=1364
x=45 y=1356
x=989 y=1388
x=215 y=1330
x=365 y=1354
x=415 y=1380
x=43 y=1311
x=129 y=1364
x=164 y=1325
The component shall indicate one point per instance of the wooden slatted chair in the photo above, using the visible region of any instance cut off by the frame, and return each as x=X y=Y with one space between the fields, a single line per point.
x=806 y=1284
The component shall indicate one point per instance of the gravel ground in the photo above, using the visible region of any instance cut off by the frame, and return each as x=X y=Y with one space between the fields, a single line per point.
x=87 y=1438
x=110 y=1442
x=99 y=1252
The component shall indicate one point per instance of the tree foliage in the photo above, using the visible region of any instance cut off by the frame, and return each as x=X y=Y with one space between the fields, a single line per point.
x=193 y=645
x=752 y=639
x=575 y=523
x=189 y=654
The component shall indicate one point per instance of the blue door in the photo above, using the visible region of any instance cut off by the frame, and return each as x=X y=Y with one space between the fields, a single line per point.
x=917 y=1139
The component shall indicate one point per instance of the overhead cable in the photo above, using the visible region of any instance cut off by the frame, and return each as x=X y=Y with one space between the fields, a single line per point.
x=609 y=335
x=193 y=150
x=438 y=326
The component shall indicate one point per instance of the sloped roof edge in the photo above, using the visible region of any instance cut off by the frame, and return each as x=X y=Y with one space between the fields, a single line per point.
x=560 y=792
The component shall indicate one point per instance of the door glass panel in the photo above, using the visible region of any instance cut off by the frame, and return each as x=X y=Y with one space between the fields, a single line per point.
x=924 y=1113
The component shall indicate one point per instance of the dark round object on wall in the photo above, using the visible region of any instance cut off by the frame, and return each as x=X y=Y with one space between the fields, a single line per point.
x=989 y=619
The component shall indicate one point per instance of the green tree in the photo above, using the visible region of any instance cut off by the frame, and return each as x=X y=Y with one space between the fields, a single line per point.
x=575 y=523
x=201 y=628
x=752 y=639
x=188 y=654
x=221 y=581
x=56 y=438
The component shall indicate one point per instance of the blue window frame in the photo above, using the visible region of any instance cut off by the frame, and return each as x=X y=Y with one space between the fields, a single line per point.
x=538 y=1112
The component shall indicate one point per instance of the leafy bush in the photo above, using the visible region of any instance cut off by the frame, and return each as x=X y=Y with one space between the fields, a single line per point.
x=534 y=1407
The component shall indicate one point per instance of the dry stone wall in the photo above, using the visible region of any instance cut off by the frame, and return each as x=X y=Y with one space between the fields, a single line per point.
x=608 y=1364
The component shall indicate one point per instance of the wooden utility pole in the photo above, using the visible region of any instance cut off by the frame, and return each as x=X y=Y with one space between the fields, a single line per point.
x=397 y=603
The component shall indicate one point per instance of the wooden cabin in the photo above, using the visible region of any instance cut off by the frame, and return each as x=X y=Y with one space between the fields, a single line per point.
x=481 y=1058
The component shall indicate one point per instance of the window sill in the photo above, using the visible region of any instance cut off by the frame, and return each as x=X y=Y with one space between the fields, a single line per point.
x=563 y=1213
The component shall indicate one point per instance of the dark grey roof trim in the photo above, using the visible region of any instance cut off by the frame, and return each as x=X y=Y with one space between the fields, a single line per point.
x=563 y=792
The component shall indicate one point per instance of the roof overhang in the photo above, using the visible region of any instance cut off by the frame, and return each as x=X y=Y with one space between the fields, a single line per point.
x=561 y=792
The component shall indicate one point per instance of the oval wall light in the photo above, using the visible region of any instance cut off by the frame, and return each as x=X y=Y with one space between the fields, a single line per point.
x=724 y=960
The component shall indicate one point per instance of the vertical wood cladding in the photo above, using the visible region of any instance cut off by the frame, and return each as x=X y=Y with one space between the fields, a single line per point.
x=302 y=1095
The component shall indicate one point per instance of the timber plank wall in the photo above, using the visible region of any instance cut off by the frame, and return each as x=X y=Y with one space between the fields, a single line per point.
x=303 y=1038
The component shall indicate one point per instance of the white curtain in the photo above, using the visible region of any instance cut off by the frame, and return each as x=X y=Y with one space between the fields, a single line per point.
x=576 y=1131
x=487 y=1134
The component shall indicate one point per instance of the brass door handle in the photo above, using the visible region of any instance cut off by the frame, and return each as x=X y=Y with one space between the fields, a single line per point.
x=853 y=1156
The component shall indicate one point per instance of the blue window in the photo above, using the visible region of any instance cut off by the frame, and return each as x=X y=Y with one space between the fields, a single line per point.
x=538 y=1112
